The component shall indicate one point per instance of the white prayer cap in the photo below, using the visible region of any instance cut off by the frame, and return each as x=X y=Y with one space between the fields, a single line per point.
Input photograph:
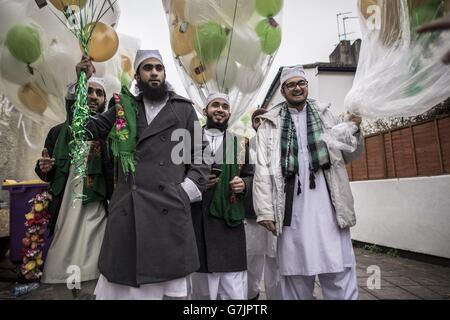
x=217 y=95
x=292 y=72
x=99 y=81
x=143 y=55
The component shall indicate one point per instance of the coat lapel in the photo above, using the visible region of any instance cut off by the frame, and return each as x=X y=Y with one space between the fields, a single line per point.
x=165 y=119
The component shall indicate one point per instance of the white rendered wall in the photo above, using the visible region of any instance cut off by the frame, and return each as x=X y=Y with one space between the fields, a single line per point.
x=410 y=214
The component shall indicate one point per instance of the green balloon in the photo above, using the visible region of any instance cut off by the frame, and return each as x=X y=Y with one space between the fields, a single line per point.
x=24 y=43
x=268 y=8
x=269 y=36
x=210 y=40
x=125 y=80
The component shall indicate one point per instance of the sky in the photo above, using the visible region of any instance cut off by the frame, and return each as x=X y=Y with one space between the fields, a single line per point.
x=310 y=33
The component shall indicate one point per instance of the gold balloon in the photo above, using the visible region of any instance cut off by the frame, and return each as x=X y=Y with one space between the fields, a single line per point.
x=127 y=66
x=32 y=98
x=182 y=39
x=61 y=5
x=364 y=5
x=178 y=7
x=104 y=42
x=200 y=72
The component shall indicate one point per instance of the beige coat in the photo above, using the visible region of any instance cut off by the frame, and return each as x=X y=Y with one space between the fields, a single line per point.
x=268 y=187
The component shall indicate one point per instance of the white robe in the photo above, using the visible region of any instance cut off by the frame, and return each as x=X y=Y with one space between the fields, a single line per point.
x=78 y=238
x=313 y=244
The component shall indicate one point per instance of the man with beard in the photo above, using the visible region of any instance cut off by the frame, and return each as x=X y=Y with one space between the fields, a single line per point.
x=302 y=194
x=77 y=227
x=149 y=247
x=218 y=219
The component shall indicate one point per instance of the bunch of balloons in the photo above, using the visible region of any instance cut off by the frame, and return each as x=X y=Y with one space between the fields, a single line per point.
x=400 y=73
x=224 y=45
x=38 y=54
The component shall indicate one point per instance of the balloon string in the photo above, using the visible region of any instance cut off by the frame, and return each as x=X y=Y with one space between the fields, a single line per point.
x=229 y=46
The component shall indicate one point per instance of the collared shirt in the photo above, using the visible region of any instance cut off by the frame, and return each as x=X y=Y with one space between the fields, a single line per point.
x=153 y=108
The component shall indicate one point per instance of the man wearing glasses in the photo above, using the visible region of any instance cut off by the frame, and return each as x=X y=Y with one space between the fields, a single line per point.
x=302 y=194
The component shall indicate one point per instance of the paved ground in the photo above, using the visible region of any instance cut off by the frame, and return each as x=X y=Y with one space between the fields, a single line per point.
x=400 y=279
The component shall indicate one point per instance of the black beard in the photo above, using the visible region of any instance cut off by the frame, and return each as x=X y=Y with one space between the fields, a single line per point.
x=157 y=94
x=210 y=124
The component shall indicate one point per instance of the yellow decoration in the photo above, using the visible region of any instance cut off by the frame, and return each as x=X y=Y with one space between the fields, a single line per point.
x=30 y=266
x=32 y=98
x=39 y=262
x=38 y=207
x=61 y=5
x=200 y=72
x=29 y=216
x=182 y=39
x=104 y=42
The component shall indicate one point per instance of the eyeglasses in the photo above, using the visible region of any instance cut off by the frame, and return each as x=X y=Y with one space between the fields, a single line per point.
x=150 y=67
x=292 y=85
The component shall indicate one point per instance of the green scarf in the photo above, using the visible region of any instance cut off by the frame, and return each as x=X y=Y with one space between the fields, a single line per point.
x=318 y=151
x=94 y=188
x=225 y=205
x=123 y=134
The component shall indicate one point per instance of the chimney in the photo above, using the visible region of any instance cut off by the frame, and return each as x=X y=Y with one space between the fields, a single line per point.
x=346 y=53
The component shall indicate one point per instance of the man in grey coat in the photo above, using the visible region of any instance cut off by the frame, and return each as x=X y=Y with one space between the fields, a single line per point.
x=149 y=247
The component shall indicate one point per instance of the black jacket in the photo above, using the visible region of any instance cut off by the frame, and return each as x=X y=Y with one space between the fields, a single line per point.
x=107 y=165
x=221 y=248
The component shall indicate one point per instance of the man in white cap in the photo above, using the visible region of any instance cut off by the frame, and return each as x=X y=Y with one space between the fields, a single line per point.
x=302 y=194
x=218 y=219
x=149 y=248
x=77 y=227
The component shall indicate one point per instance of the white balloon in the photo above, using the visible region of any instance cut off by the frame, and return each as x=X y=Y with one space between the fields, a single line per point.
x=52 y=28
x=245 y=46
x=225 y=74
x=11 y=13
x=111 y=17
x=249 y=79
x=244 y=10
x=198 y=12
x=14 y=70
x=113 y=85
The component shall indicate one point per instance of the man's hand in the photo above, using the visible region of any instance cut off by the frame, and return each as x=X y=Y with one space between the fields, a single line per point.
x=212 y=181
x=437 y=25
x=270 y=226
x=237 y=185
x=85 y=65
x=46 y=163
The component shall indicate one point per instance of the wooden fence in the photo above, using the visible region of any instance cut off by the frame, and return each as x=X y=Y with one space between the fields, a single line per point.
x=421 y=149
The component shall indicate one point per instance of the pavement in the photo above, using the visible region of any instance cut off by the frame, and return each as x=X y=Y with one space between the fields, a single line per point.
x=399 y=279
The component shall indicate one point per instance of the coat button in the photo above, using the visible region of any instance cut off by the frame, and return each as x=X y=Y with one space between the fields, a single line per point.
x=163 y=138
x=161 y=188
x=165 y=211
x=134 y=187
x=161 y=163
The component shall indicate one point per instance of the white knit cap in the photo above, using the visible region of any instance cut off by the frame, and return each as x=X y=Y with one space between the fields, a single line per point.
x=217 y=95
x=143 y=55
x=99 y=81
x=292 y=72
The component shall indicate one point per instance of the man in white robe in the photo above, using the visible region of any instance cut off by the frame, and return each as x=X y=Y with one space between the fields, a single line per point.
x=308 y=202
